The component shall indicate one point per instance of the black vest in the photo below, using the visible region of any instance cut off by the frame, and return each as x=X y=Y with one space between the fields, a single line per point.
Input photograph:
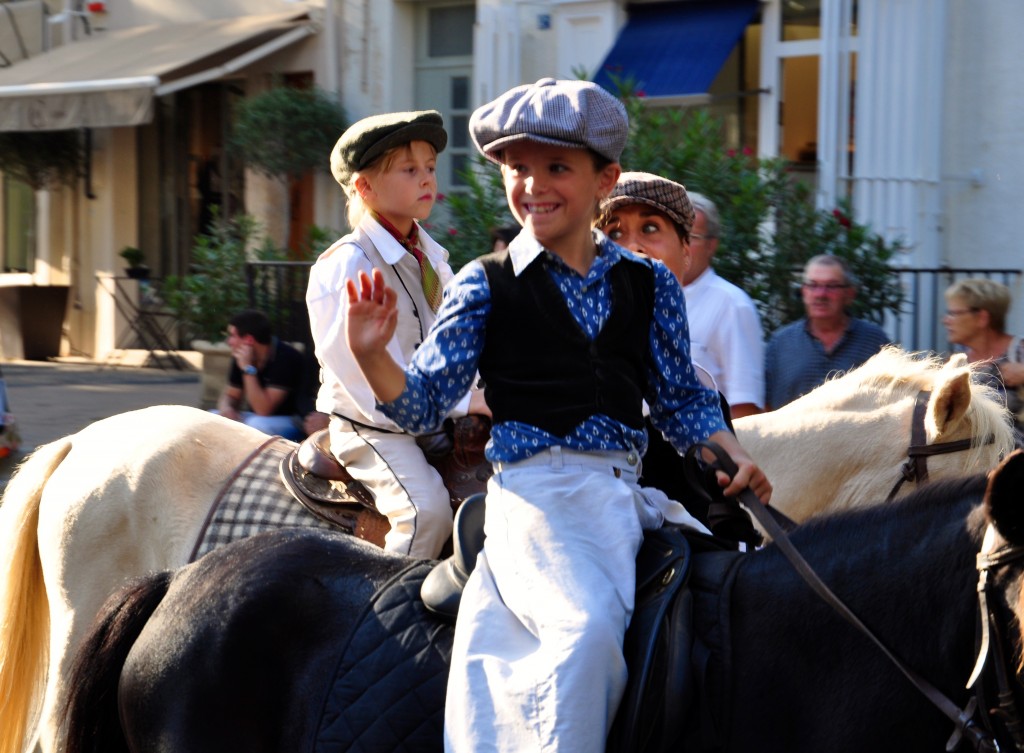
x=538 y=366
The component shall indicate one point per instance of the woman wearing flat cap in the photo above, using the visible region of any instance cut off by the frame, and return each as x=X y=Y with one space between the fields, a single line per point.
x=386 y=165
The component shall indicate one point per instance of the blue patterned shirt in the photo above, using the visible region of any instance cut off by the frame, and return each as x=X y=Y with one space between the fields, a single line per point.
x=444 y=366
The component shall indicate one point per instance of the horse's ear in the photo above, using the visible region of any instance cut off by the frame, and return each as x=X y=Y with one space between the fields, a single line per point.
x=1002 y=498
x=957 y=361
x=949 y=403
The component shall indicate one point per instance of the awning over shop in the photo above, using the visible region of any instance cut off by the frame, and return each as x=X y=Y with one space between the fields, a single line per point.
x=112 y=79
x=675 y=49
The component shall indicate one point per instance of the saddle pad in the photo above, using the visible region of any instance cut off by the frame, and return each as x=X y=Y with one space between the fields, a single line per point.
x=254 y=500
x=388 y=690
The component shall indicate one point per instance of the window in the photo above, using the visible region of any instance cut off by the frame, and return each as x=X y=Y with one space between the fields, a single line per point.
x=444 y=66
x=19 y=226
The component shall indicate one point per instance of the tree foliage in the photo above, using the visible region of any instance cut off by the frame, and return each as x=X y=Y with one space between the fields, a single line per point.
x=770 y=226
x=215 y=288
x=42 y=159
x=286 y=132
x=476 y=213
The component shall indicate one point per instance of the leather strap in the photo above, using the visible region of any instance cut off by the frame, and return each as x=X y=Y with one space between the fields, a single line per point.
x=965 y=726
x=916 y=466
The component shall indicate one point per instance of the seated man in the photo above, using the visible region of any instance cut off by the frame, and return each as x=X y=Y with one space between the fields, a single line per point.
x=265 y=379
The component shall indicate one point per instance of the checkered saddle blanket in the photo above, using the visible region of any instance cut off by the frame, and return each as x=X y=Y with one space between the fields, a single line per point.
x=253 y=500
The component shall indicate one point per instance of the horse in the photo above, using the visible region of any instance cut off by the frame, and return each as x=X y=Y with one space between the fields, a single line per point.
x=274 y=643
x=132 y=493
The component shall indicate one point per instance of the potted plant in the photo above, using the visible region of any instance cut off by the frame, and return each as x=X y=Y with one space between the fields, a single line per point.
x=136 y=268
x=284 y=134
x=214 y=290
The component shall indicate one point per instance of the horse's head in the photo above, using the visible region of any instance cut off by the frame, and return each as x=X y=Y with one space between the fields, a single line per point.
x=845 y=444
x=1005 y=514
x=997 y=675
x=961 y=407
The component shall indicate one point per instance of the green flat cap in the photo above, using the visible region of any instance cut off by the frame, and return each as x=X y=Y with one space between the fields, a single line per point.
x=369 y=138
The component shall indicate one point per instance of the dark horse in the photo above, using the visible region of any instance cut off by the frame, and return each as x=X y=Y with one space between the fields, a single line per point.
x=264 y=645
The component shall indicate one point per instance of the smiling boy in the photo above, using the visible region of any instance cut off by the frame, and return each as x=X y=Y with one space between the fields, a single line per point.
x=570 y=333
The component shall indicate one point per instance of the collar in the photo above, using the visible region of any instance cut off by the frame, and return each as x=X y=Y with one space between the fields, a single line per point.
x=705 y=277
x=391 y=251
x=524 y=249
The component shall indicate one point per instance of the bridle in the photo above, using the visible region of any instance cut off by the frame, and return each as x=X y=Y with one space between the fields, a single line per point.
x=991 y=651
x=915 y=468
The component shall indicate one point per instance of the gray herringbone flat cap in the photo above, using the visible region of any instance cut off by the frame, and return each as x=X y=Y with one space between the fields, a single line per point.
x=645 y=188
x=366 y=140
x=577 y=114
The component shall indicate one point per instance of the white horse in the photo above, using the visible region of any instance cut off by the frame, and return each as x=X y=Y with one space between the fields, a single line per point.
x=130 y=494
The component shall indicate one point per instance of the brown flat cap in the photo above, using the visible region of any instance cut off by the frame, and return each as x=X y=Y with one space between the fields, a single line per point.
x=663 y=194
x=366 y=140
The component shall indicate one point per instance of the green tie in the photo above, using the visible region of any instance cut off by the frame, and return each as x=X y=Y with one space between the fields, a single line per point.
x=428 y=275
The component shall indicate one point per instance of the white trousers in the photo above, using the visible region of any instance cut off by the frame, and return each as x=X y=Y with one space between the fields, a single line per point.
x=405 y=487
x=537 y=662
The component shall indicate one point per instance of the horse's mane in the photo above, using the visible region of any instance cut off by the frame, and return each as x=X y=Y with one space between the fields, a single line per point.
x=894 y=373
x=927 y=520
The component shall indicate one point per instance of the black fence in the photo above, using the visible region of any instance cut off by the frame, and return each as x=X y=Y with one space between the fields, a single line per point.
x=279 y=289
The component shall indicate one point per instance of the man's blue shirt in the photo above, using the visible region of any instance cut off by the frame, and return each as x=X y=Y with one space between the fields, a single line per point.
x=444 y=366
x=796 y=362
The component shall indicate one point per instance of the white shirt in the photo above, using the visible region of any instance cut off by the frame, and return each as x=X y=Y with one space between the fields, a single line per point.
x=344 y=390
x=726 y=337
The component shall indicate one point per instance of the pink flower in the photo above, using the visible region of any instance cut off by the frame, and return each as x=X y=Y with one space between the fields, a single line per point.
x=452 y=231
x=641 y=93
x=730 y=153
x=440 y=196
x=747 y=151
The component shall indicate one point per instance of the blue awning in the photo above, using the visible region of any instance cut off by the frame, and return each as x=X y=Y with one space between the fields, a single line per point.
x=675 y=49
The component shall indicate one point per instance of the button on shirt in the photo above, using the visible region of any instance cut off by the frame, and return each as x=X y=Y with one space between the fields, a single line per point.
x=445 y=365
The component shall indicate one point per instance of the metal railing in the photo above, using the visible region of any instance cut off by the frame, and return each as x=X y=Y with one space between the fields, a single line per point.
x=279 y=289
x=919 y=325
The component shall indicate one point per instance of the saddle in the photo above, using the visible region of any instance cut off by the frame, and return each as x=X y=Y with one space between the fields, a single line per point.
x=659 y=644
x=325 y=487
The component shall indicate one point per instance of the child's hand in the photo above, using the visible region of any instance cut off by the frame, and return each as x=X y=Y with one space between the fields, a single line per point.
x=747 y=474
x=372 y=314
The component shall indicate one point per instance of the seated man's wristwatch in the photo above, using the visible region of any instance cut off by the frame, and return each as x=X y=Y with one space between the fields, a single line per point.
x=250 y=370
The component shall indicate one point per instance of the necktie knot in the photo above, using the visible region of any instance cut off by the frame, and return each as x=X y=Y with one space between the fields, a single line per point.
x=429 y=280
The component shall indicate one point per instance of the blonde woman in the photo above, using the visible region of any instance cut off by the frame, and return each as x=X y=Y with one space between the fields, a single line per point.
x=976 y=320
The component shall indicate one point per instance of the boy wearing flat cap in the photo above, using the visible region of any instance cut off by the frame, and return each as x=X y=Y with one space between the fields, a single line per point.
x=386 y=166
x=570 y=333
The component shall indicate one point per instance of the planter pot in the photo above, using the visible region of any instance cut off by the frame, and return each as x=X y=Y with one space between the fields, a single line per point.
x=140 y=272
x=216 y=364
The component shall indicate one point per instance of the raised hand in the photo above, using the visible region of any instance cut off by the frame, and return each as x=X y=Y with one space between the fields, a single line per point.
x=372 y=314
x=370 y=325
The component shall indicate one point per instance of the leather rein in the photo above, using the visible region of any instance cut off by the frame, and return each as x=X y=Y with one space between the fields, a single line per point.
x=991 y=653
x=915 y=468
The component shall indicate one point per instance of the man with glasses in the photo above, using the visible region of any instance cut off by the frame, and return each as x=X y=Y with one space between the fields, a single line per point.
x=725 y=329
x=802 y=355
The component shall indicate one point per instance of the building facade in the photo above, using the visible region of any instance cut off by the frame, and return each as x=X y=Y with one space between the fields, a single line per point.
x=906 y=107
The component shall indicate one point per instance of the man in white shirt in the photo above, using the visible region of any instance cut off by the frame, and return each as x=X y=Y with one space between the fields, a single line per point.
x=725 y=328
